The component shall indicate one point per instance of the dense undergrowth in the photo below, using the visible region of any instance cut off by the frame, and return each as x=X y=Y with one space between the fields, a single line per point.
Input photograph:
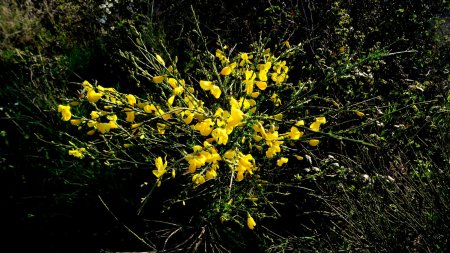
x=308 y=126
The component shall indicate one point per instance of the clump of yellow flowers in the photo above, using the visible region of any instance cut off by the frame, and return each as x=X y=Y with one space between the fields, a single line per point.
x=238 y=119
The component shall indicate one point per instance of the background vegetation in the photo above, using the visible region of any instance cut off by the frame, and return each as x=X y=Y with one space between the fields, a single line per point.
x=386 y=59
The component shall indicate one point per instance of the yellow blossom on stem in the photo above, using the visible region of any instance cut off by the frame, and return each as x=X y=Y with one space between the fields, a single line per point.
x=91 y=132
x=93 y=96
x=282 y=161
x=160 y=59
x=360 y=114
x=261 y=85
x=275 y=99
x=226 y=71
x=211 y=174
x=220 y=135
x=103 y=127
x=321 y=120
x=204 y=127
x=131 y=99
x=235 y=118
x=313 y=142
x=65 y=112
x=315 y=126
x=161 y=128
x=245 y=59
x=300 y=123
x=250 y=222
x=206 y=85
x=215 y=91
x=130 y=116
x=295 y=134
x=158 y=79
x=79 y=153
x=198 y=179
x=160 y=167
x=75 y=122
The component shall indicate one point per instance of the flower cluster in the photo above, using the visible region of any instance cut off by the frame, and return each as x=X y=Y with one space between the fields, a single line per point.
x=229 y=120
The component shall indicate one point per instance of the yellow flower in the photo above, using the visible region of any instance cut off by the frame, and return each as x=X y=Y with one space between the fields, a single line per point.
x=113 y=124
x=65 y=112
x=299 y=157
x=211 y=174
x=131 y=99
x=173 y=82
x=215 y=91
x=321 y=120
x=282 y=161
x=261 y=85
x=136 y=125
x=275 y=99
x=198 y=179
x=295 y=134
x=206 y=85
x=158 y=79
x=103 y=127
x=160 y=167
x=220 y=136
x=250 y=222
x=278 y=116
x=75 y=122
x=226 y=71
x=160 y=59
x=315 y=126
x=93 y=96
x=313 y=142
x=149 y=108
x=95 y=115
x=189 y=118
x=170 y=100
x=204 y=127
x=262 y=75
x=130 y=116
x=235 y=118
x=255 y=95
x=245 y=59
x=87 y=85
x=77 y=152
x=229 y=154
x=300 y=123
x=360 y=114
x=286 y=44
x=161 y=128
x=91 y=132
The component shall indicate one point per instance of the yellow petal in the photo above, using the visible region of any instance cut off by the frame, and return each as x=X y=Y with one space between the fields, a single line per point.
x=160 y=59
x=130 y=116
x=215 y=91
x=360 y=114
x=313 y=142
x=282 y=161
x=75 y=122
x=93 y=96
x=205 y=85
x=250 y=222
x=321 y=120
x=261 y=85
x=158 y=79
x=226 y=71
x=171 y=99
x=315 y=126
x=131 y=99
